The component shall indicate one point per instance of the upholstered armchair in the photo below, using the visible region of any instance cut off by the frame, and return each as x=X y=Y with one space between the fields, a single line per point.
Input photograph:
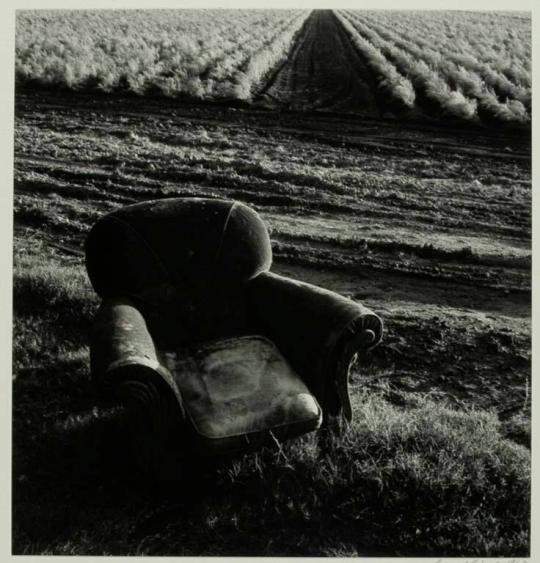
x=210 y=351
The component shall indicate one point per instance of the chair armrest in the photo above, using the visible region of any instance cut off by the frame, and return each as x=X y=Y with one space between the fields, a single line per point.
x=320 y=332
x=119 y=339
x=125 y=363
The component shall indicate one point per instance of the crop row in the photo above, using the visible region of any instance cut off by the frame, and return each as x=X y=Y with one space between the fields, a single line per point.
x=498 y=98
x=483 y=42
x=440 y=84
x=489 y=37
x=206 y=54
x=397 y=89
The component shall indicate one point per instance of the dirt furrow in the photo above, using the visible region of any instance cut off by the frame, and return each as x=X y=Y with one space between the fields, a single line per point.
x=321 y=72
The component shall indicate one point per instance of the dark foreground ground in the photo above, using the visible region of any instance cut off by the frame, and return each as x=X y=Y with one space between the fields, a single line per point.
x=429 y=227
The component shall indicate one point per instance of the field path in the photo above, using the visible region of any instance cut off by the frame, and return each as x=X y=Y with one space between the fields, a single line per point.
x=323 y=71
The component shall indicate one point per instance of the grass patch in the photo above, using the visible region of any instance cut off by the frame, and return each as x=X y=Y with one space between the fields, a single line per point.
x=427 y=481
x=53 y=307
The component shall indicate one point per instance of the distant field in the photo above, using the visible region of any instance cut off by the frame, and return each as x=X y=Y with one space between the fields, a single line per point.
x=204 y=54
x=469 y=67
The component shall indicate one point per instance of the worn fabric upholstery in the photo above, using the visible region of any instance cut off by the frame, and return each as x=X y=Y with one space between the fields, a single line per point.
x=234 y=390
x=121 y=339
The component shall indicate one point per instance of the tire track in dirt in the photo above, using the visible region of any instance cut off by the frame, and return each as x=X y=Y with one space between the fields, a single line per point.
x=294 y=192
x=323 y=71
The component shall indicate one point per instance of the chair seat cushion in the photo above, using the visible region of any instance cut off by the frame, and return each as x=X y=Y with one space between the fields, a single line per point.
x=236 y=389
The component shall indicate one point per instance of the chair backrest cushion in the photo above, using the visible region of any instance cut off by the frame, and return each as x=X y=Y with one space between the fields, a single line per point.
x=185 y=261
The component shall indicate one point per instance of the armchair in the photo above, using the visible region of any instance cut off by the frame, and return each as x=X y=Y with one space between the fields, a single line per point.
x=212 y=352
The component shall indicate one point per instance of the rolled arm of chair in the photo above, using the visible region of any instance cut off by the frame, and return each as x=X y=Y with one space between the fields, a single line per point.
x=125 y=363
x=120 y=339
x=320 y=332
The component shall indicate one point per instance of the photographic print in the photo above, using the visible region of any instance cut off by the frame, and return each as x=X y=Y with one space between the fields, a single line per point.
x=272 y=282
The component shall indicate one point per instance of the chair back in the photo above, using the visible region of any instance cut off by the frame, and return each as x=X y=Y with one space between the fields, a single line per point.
x=184 y=261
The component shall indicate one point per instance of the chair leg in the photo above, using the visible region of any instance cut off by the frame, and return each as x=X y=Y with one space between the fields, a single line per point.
x=349 y=352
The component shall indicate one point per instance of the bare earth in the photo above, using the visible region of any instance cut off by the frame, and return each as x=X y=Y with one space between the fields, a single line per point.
x=323 y=71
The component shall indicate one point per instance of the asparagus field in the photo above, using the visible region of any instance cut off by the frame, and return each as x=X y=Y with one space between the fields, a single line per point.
x=390 y=156
x=202 y=54
x=458 y=66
